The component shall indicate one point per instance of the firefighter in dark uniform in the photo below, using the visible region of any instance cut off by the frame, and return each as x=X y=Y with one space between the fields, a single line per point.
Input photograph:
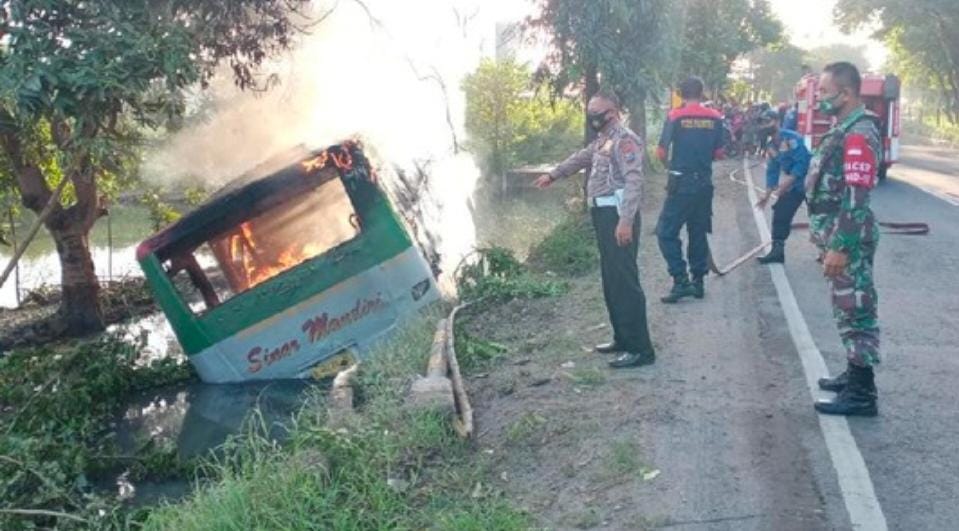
x=695 y=134
x=786 y=170
x=615 y=159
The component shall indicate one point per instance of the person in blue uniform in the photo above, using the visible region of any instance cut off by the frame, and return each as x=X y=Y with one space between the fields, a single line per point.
x=692 y=137
x=786 y=168
x=791 y=119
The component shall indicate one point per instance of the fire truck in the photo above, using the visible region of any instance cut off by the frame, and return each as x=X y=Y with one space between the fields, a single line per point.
x=880 y=93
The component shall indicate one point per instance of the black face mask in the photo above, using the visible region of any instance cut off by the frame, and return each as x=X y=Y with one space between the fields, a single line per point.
x=598 y=120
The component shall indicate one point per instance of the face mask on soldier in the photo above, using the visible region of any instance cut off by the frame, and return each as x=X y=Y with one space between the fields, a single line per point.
x=830 y=105
x=598 y=120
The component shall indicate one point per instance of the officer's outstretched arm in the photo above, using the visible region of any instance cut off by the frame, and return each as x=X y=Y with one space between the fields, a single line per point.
x=859 y=172
x=574 y=163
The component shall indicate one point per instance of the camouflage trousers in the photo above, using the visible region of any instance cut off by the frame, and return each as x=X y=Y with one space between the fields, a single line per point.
x=855 y=306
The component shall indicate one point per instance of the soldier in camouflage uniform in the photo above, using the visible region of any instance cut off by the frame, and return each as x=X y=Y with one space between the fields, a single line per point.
x=843 y=227
x=615 y=159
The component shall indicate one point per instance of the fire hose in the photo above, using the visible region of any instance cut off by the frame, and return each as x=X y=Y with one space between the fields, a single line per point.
x=900 y=228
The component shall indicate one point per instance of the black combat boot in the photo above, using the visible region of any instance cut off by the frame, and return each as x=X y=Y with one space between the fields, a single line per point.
x=777 y=255
x=682 y=288
x=699 y=288
x=633 y=359
x=835 y=384
x=858 y=398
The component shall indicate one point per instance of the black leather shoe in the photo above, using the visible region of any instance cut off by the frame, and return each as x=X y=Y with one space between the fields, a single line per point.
x=609 y=348
x=835 y=384
x=858 y=398
x=633 y=359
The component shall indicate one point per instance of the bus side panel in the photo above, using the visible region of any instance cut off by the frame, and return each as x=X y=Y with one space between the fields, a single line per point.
x=349 y=315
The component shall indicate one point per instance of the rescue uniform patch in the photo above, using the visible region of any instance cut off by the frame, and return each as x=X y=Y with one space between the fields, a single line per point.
x=859 y=162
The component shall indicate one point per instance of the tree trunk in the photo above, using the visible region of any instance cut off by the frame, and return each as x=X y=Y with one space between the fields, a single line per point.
x=592 y=87
x=79 y=312
x=637 y=116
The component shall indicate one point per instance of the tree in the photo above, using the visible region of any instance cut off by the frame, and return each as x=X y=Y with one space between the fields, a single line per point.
x=509 y=123
x=628 y=46
x=718 y=32
x=775 y=70
x=922 y=36
x=78 y=78
x=819 y=57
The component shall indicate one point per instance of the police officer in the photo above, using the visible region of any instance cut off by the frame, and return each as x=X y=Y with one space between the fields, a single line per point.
x=789 y=158
x=613 y=188
x=842 y=225
x=695 y=134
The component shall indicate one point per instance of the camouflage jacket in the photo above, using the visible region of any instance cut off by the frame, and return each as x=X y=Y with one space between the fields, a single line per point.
x=843 y=172
x=617 y=163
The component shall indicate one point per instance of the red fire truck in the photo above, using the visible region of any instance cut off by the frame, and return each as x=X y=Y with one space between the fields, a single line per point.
x=880 y=94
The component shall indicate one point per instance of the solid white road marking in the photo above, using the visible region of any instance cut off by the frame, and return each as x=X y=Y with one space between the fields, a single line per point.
x=854 y=481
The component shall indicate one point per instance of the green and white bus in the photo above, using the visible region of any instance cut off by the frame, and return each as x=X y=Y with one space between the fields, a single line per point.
x=298 y=264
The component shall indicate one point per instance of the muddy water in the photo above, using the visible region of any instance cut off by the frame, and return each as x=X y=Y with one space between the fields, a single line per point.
x=198 y=418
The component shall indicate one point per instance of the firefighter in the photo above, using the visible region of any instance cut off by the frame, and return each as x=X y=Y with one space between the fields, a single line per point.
x=786 y=167
x=842 y=225
x=695 y=134
x=615 y=159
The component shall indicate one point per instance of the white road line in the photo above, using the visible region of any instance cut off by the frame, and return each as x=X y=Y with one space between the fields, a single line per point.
x=854 y=481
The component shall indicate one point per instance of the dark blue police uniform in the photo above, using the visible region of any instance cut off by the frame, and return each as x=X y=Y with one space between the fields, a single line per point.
x=695 y=134
x=792 y=157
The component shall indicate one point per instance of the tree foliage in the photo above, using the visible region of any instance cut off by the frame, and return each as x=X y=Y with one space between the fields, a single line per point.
x=774 y=71
x=510 y=123
x=628 y=46
x=77 y=80
x=922 y=37
x=718 y=32
x=820 y=56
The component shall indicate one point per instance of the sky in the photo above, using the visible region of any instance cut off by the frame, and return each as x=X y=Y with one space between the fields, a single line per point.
x=809 y=25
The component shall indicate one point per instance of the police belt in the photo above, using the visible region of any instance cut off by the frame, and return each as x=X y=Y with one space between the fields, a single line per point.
x=693 y=174
x=604 y=201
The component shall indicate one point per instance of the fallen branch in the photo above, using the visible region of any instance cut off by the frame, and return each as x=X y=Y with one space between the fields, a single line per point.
x=34 y=229
x=44 y=512
x=464 y=422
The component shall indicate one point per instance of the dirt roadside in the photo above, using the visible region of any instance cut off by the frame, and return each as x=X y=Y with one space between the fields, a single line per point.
x=719 y=434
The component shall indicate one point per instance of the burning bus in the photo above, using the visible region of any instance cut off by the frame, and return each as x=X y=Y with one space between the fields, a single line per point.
x=299 y=264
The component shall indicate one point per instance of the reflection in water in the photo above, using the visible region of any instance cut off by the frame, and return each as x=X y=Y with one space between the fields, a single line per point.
x=198 y=418
x=156 y=336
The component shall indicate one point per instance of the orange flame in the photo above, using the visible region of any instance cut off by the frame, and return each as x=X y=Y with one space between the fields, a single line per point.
x=341 y=160
x=316 y=163
x=249 y=259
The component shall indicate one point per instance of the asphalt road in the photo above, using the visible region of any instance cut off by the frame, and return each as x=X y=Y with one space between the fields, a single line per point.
x=910 y=450
x=725 y=416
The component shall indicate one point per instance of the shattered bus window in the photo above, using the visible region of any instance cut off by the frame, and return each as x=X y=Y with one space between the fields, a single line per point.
x=285 y=236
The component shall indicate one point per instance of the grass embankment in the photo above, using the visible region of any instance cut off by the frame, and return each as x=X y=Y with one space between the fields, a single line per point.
x=388 y=467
